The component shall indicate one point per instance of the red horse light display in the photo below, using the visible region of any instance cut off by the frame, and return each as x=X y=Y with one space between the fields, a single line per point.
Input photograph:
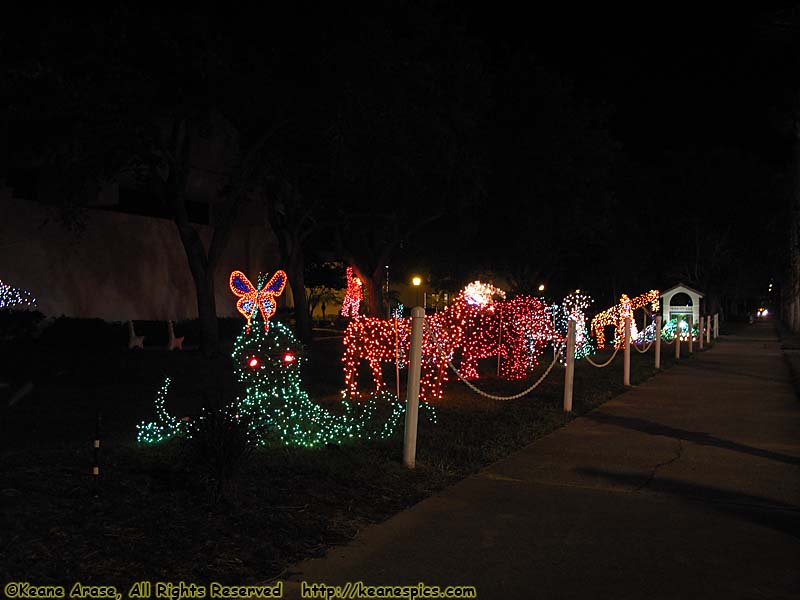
x=384 y=341
x=516 y=330
x=474 y=323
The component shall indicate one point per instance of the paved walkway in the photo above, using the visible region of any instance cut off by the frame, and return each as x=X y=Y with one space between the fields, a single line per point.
x=687 y=486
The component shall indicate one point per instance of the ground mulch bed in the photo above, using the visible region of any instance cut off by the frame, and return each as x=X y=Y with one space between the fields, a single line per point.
x=151 y=515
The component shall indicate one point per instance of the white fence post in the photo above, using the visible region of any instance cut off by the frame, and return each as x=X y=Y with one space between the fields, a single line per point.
x=700 y=331
x=412 y=391
x=397 y=355
x=691 y=337
x=716 y=325
x=626 y=363
x=708 y=329
x=569 y=372
x=657 y=342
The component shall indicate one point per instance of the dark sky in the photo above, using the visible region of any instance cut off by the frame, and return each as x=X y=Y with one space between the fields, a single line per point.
x=693 y=97
x=681 y=73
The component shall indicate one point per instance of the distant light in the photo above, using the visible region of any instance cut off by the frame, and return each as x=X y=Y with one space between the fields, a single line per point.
x=253 y=363
x=541 y=287
x=289 y=358
x=416 y=280
x=578 y=291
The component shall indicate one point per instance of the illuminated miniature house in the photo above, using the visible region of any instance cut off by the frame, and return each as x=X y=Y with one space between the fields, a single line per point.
x=681 y=301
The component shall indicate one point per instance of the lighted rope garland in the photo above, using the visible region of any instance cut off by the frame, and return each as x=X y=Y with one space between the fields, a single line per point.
x=469 y=384
x=15 y=298
x=268 y=362
x=617 y=314
x=354 y=295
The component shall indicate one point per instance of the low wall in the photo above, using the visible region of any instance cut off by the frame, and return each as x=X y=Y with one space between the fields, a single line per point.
x=117 y=266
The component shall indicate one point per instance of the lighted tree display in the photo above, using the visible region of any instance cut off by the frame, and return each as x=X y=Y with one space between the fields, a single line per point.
x=14 y=298
x=574 y=307
x=668 y=331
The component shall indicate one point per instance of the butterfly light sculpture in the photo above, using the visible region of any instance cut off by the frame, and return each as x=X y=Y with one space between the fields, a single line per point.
x=262 y=298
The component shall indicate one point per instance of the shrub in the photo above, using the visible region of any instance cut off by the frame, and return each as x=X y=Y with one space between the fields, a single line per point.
x=219 y=443
x=19 y=324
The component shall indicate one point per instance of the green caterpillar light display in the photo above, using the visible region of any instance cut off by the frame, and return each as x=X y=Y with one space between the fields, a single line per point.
x=268 y=360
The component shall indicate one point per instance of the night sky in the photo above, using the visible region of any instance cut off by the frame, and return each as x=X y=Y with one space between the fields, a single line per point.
x=607 y=148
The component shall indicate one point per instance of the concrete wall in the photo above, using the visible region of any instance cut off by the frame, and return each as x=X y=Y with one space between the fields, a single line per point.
x=119 y=266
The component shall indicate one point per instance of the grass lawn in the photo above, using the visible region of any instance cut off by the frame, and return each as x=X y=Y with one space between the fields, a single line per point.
x=151 y=515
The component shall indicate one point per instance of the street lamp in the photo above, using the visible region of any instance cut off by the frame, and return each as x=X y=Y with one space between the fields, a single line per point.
x=416 y=282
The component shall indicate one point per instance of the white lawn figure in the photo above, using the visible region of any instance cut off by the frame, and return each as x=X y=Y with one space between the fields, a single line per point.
x=134 y=341
x=175 y=343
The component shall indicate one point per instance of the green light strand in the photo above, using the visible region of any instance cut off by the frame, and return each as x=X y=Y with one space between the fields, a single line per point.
x=668 y=331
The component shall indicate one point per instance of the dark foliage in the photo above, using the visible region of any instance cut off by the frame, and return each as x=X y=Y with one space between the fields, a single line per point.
x=19 y=324
x=219 y=445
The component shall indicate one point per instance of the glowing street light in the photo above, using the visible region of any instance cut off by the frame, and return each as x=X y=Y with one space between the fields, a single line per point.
x=417 y=281
x=541 y=287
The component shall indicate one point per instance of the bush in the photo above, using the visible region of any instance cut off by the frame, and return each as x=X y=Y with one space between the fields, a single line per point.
x=19 y=324
x=68 y=331
x=220 y=443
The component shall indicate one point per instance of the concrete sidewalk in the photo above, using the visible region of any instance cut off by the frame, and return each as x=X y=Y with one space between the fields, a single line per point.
x=687 y=486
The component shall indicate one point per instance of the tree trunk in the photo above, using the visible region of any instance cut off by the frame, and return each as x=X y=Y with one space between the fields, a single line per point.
x=374 y=295
x=294 y=268
x=203 y=276
x=207 y=314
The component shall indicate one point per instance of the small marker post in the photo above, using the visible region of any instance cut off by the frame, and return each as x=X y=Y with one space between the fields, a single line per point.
x=96 y=453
